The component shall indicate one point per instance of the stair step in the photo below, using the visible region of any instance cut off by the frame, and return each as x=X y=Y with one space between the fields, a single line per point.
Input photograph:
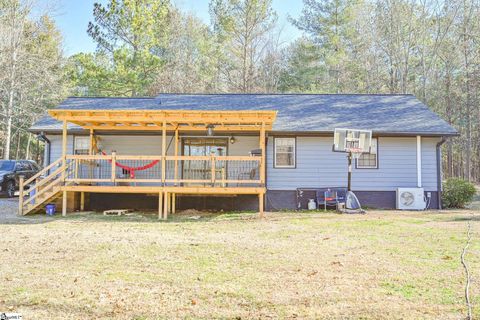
x=49 y=196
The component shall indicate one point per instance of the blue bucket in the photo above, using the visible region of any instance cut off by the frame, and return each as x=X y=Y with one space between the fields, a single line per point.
x=50 y=209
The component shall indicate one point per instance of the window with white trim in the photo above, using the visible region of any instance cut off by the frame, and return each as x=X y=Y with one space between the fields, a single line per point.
x=81 y=145
x=284 y=152
x=369 y=160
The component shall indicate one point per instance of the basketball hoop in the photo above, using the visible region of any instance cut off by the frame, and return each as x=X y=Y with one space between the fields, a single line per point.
x=354 y=142
x=356 y=152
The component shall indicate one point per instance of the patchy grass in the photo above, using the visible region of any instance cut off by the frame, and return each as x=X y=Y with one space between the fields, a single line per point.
x=386 y=264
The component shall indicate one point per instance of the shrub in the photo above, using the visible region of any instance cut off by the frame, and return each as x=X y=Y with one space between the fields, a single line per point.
x=457 y=193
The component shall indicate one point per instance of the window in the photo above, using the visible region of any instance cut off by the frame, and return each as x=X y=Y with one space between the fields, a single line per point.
x=7 y=165
x=284 y=152
x=22 y=166
x=195 y=170
x=81 y=145
x=34 y=166
x=28 y=165
x=369 y=160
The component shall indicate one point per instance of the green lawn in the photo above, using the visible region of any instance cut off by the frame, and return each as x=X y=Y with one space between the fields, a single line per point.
x=383 y=265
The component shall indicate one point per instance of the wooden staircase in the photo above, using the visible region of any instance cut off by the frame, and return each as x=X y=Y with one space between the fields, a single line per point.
x=46 y=187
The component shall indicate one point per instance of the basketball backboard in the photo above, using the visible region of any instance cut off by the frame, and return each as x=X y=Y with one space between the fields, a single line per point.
x=352 y=140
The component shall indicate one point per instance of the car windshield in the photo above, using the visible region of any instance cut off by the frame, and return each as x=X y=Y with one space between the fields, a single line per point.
x=7 y=165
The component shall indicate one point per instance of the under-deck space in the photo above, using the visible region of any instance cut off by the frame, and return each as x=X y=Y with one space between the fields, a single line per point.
x=169 y=198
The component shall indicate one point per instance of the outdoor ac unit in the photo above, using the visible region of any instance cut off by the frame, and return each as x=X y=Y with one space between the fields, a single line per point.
x=411 y=199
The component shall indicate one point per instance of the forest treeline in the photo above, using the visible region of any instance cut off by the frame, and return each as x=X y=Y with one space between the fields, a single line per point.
x=430 y=48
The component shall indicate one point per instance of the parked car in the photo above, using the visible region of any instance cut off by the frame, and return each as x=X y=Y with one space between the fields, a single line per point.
x=10 y=172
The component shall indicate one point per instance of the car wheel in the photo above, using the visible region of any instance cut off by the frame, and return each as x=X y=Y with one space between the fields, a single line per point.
x=10 y=188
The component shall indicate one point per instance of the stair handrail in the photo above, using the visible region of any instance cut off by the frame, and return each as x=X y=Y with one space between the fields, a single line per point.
x=24 y=203
x=44 y=181
x=46 y=169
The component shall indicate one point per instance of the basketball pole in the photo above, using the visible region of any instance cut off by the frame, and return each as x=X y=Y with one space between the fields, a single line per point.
x=349 y=186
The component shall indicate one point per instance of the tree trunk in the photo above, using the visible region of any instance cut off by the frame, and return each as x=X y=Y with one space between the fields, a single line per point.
x=468 y=124
x=8 y=137
x=449 y=114
x=12 y=84
x=27 y=154
x=17 y=152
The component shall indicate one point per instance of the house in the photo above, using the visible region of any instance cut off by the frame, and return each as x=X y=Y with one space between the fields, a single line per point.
x=232 y=151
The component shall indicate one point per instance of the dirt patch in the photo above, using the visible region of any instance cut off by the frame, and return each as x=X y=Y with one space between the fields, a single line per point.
x=8 y=214
x=192 y=212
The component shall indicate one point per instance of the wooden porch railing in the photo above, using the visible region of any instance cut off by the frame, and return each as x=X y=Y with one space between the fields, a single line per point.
x=207 y=171
x=225 y=171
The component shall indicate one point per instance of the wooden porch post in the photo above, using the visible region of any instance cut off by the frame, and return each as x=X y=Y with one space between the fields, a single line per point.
x=64 y=148
x=90 y=152
x=114 y=167
x=82 y=201
x=164 y=214
x=90 y=149
x=164 y=151
x=20 y=196
x=170 y=202
x=64 y=164
x=160 y=205
x=262 y=147
x=262 y=170
x=174 y=196
x=260 y=204
x=64 y=203
x=165 y=206
x=176 y=155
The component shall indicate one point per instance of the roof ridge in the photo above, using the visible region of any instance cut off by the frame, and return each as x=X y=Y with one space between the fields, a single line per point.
x=285 y=94
x=244 y=94
x=105 y=97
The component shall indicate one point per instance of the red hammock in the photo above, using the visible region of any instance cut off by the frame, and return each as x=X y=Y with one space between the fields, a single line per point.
x=131 y=170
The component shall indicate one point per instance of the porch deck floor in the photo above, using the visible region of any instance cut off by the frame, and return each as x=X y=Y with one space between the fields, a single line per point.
x=169 y=189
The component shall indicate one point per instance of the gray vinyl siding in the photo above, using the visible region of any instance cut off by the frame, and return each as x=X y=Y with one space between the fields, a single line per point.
x=134 y=145
x=317 y=166
x=243 y=146
x=56 y=147
x=145 y=145
x=152 y=145
x=429 y=163
x=397 y=166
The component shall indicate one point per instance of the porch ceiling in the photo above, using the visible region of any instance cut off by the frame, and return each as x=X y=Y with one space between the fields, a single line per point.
x=154 y=120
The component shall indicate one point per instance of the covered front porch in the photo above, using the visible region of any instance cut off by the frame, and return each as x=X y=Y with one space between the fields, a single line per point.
x=188 y=153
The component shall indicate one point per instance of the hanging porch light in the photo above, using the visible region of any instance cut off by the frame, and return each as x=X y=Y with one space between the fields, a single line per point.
x=210 y=128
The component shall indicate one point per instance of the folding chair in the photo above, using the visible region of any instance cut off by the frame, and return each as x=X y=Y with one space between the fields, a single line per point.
x=251 y=174
x=327 y=198
x=341 y=196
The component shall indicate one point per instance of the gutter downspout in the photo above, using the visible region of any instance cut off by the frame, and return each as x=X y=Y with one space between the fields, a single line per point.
x=439 y=171
x=419 y=161
x=41 y=136
x=265 y=201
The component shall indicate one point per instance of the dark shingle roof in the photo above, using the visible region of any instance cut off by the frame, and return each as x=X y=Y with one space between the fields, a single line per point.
x=394 y=114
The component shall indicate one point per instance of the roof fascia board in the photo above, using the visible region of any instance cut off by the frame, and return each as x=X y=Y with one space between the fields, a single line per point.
x=271 y=133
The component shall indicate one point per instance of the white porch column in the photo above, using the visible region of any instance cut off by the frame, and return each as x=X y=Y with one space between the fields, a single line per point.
x=419 y=161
